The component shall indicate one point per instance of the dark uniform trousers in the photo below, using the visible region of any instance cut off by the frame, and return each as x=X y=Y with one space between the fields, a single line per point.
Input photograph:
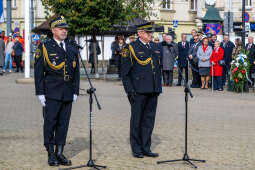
x=143 y=111
x=56 y=119
x=141 y=76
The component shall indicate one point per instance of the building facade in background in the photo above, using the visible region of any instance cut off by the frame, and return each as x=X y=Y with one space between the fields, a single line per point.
x=18 y=14
x=188 y=14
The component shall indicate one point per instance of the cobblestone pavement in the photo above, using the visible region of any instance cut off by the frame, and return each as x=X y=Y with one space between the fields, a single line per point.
x=221 y=129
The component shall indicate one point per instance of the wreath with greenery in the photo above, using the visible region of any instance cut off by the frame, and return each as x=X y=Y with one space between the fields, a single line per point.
x=239 y=71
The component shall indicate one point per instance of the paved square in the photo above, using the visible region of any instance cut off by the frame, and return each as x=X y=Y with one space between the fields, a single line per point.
x=221 y=129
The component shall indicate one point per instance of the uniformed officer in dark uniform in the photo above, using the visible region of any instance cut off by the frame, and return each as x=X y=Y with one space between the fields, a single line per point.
x=57 y=79
x=141 y=76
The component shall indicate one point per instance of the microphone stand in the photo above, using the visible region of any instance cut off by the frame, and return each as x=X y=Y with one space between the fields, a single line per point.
x=186 y=157
x=92 y=92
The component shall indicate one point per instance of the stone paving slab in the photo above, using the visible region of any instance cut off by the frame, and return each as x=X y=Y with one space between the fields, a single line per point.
x=221 y=129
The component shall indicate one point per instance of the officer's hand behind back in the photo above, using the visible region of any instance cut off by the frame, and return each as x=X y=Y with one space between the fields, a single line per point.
x=131 y=96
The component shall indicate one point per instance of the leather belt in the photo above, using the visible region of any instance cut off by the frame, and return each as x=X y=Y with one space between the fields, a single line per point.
x=59 y=76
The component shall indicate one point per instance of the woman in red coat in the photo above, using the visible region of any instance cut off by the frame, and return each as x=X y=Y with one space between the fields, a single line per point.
x=217 y=69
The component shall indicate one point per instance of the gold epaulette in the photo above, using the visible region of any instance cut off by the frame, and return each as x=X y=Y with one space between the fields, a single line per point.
x=141 y=62
x=46 y=58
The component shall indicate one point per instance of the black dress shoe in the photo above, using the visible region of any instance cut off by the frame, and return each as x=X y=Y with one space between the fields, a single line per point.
x=52 y=159
x=179 y=84
x=61 y=158
x=151 y=154
x=138 y=155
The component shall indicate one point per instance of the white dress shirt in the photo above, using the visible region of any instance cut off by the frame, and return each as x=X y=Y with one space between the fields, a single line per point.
x=58 y=42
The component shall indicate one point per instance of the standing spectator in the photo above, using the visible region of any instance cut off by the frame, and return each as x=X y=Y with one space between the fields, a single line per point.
x=228 y=47
x=217 y=69
x=117 y=47
x=2 y=51
x=238 y=47
x=8 y=52
x=250 y=47
x=156 y=40
x=209 y=36
x=193 y=34
x=170 y=52
x=201 y=35
x=183 y=48
x=164 y=37
x=196 y=82
x=213 y=40
x=3 y=36
x=18 y=50
x=204 y=53
x=91 y=55
x=131 y=38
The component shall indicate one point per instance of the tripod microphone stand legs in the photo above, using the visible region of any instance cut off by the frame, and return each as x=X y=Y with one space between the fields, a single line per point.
x=185 y=159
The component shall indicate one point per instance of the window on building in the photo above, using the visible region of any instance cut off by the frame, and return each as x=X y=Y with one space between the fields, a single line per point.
x=166 y=4
x=14 y=3
x=193 y=5
x=248 y=3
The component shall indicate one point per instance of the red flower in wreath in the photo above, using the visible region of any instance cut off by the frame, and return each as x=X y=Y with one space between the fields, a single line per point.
x=235 y=70
x=236 y=80
x=243 y=71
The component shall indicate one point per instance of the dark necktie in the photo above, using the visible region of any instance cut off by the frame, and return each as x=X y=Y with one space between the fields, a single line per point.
x=148 y=46
x=62 y=46
x=249 y=47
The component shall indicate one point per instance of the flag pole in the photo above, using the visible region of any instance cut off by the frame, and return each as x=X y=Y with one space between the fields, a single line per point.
x=27 y=38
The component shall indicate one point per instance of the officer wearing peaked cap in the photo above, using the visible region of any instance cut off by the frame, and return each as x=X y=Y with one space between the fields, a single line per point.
x=141 y=77
x=57 y=81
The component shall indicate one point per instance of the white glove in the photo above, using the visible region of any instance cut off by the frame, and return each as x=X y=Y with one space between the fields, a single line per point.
x=42 y=100
x=74 y=98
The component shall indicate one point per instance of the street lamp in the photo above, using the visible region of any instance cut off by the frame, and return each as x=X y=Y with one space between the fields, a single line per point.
x=243 y=23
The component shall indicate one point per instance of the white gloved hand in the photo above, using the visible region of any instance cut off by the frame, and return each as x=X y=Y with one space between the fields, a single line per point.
x=42 y=100
x=74 y=98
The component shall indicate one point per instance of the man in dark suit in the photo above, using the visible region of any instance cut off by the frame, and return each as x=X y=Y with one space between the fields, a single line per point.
x=227 y=46
x=193 y=34
x=250 y=47
x=141 y=77
x=57 y=78
x=183 y=48
x=192 y=54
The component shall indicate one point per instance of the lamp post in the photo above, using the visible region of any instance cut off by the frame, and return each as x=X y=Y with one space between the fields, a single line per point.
x=27 y=38
x=9 y=16
x=243 y=23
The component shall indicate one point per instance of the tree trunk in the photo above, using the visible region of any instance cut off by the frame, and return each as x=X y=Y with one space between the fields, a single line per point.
x=95 y=53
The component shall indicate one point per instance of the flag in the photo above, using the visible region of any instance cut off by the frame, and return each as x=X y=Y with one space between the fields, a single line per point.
x=1 y=12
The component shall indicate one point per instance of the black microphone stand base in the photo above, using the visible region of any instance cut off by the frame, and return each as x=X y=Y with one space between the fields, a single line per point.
x=90 y=164
x=185 y=159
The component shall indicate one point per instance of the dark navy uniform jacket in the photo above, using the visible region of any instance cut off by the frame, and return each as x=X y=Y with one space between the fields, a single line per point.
x=140 y=68
x=57 y=72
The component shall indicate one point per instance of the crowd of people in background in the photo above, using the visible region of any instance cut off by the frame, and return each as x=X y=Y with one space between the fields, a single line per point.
x=11 y=51
x=208 y=59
